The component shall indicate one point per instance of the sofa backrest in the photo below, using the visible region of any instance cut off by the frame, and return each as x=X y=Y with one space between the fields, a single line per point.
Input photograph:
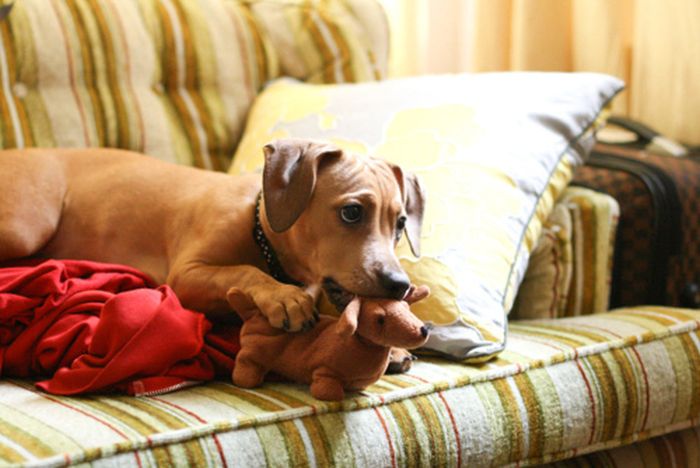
x=170 y=78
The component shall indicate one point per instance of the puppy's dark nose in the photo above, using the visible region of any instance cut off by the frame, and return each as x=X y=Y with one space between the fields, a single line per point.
x=424 y=331
x=395 y=283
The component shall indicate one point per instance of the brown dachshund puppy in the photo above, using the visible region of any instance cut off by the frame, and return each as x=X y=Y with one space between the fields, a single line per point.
x=326 y=216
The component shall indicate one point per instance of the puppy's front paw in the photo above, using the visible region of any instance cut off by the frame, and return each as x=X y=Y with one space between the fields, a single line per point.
x=400 y=361
x=286 y=306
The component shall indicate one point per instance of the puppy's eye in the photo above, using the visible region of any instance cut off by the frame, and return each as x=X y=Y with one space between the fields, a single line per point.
x=380 y=321
x=400 y=226
x=351 y=214
x=401 y=223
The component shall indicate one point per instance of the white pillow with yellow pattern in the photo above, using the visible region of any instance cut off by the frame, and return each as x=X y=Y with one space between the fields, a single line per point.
x=493 y=152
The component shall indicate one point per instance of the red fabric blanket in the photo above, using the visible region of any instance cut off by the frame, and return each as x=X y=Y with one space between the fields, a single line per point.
x=89 y=327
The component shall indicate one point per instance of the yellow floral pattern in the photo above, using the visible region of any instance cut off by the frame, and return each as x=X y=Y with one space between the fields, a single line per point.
x=493 y=152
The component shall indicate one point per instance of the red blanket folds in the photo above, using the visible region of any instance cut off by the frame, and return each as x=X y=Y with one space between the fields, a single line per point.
x=92 y=327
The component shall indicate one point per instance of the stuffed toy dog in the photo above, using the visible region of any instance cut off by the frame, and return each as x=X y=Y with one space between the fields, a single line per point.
x=348 y=353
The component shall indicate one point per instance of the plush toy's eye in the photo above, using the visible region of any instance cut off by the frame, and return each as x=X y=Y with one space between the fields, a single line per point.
x=380 y=321
x=351 y=214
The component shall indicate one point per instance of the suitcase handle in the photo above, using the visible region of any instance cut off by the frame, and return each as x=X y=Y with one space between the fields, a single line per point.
x=649 y=138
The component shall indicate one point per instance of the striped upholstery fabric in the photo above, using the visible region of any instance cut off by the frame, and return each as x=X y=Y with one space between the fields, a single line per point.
x=561 y=388
x=545 y=287
x=324 y=41
x=171 y=78
x=595 y=217
x=570 y=270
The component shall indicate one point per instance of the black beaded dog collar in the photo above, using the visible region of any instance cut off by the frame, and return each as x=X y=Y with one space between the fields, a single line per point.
x=273 y=263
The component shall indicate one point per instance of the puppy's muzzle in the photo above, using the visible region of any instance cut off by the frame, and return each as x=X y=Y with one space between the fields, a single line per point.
x=336 y=294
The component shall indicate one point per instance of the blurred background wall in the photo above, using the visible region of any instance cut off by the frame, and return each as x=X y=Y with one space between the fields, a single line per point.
x=654 y=45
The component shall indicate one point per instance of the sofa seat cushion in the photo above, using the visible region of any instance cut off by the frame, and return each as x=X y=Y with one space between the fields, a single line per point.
x=561 y=388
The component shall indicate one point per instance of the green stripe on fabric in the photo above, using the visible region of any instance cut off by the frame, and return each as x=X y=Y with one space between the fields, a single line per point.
x=233 y=397
x=248 y=72
x=535 y=413
x=10 y=455
x=316 y=434
x=89 y=46
x=263 y=72
x=161 y=419
x=77 y=91
x=7 y=135
x=12 y=429
x=405 y=434
x=512 y=416
x=692 y=352
x=209 y=446
x=135 y=118
x=198 y=57
x=607 y=395
x=211 y=84
x=343 y=57
x=10 y=40
x=433 y=429
x=336 y=440
x=318 y=439
x=555 y=334
x=549 y=413
x=493 y=411
x=23 y=49
x=310 y=24
x=630 y=374
x=115 y=413
x=172 y=79
x=376 y=72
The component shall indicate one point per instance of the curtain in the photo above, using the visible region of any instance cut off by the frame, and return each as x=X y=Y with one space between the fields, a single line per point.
x=653 y=45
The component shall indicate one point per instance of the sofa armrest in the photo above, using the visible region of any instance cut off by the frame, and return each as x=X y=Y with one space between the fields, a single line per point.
x=594 y=241
x=570 y=268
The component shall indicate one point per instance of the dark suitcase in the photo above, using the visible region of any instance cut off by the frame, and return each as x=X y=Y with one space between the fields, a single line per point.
x=657 y=248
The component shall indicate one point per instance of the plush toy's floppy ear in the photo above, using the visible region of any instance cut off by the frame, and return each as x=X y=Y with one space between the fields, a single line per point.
x=414 y=203
x=289 y=178
x=347 y=323
x=241 y=302
x=417 y=293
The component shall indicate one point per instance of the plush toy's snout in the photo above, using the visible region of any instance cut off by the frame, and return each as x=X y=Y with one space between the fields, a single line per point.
x=386 y=322
x=392 y=324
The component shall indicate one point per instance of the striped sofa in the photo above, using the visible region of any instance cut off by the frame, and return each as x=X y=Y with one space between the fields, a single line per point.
x=175 y=79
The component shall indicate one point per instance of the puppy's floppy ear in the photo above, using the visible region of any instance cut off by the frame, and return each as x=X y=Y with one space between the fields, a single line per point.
x=414 y=203
x=347 y=323
x=289 y=178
